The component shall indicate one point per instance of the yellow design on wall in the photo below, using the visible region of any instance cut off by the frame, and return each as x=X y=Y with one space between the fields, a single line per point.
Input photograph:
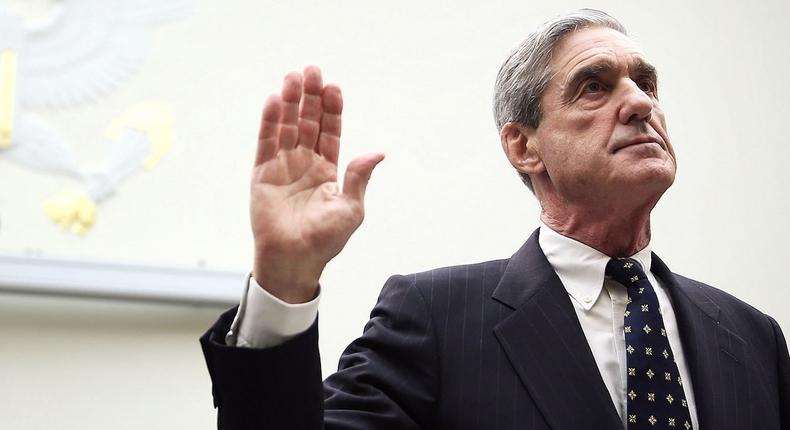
x=7 y=94
x=74 y=210
x=152 y=123
x=155 y=120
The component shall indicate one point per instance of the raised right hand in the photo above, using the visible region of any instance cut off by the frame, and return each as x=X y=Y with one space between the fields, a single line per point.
x=300 y=218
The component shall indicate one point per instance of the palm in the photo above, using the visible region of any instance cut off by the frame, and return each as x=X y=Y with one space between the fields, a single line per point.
x=296 y=202
x=300 y=218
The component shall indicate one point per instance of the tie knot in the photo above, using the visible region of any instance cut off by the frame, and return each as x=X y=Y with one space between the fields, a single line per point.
x=626 y=271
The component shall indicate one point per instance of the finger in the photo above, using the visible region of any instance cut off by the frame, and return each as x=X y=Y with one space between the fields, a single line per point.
x=358 y=174
x=291 y=94
x=310 y=110
x=267 y=136
x=329 y=138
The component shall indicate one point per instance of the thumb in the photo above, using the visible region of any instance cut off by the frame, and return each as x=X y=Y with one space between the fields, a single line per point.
x=358 y=173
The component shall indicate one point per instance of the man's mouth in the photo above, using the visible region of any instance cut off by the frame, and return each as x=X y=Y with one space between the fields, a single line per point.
x=640 y=140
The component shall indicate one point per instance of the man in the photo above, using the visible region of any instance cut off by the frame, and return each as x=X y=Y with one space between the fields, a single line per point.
x=582 y=328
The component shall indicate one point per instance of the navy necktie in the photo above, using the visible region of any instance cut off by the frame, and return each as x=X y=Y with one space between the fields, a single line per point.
x=655 y=395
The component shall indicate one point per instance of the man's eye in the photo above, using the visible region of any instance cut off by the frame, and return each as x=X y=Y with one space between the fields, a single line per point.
x=593 y=87
x=647 y=86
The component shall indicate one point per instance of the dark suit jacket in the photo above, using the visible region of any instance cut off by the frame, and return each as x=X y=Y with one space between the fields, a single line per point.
x=495 y=345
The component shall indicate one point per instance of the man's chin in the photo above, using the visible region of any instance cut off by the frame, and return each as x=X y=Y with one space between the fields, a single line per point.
x=650 y=183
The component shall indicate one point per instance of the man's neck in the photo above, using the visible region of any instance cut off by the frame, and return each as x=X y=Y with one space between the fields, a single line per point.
x=614 y=233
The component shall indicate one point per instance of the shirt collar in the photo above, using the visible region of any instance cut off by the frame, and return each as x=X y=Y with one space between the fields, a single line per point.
x=580 y=267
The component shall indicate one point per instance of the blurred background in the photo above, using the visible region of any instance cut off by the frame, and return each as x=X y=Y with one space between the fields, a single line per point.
x=131 y=134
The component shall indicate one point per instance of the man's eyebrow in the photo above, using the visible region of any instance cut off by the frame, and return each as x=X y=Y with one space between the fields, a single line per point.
x=590 y=71
x=640 y=68
x=643 y=68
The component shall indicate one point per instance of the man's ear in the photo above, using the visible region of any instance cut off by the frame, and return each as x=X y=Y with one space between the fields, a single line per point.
x=519 y=145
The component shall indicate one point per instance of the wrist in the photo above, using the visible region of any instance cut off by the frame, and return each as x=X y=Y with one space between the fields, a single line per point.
x=290 y=284
x=290 y=295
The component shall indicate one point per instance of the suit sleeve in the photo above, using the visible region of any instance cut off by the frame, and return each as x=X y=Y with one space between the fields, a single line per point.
x=271 y=388
x=387 y=378
x=783 y=363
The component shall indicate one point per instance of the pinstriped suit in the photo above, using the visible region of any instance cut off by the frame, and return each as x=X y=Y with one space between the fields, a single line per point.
x=495 y=345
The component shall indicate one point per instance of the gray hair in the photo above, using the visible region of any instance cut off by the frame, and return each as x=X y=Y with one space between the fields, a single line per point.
x=526 y=73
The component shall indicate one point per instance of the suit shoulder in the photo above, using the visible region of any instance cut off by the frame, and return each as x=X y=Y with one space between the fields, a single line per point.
x=474 y=275
x=730 y=305
x=716 y=295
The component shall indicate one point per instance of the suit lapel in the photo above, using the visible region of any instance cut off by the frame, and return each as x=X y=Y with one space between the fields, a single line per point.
x=546 y=345
x=715 y=355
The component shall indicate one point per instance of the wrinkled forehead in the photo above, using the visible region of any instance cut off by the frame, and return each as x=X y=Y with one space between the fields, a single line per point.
x=591 y=45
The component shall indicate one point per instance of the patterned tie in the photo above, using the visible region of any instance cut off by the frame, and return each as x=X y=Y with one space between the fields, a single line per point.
x=655 y=389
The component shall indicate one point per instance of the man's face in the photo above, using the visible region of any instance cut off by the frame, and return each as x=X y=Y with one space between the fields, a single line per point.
x=602 y=132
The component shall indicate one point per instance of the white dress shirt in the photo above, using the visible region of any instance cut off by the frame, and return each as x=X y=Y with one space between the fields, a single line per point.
x=600 y=306
x=264 y=320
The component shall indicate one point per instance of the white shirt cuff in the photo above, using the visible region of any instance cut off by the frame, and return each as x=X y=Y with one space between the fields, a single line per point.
x=264 y=321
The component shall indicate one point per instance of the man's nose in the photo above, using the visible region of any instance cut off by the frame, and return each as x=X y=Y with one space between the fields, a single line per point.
x=637 y=105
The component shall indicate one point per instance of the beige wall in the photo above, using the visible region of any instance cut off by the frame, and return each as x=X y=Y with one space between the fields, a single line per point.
x=417 y=77
x=94 y=364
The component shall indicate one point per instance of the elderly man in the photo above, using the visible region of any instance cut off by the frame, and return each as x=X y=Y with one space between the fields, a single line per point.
x=582 y=328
